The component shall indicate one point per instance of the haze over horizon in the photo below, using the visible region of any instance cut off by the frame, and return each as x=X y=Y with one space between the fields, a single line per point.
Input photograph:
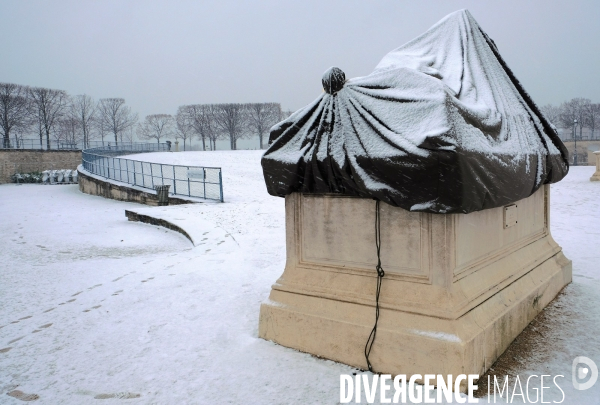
x=159 y=55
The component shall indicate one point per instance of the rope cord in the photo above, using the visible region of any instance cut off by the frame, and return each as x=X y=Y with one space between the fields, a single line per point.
x=380 y=274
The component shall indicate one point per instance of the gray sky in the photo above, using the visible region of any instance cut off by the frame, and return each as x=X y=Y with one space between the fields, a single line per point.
x=162 y=54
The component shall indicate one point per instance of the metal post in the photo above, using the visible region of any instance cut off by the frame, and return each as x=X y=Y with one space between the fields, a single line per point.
x=143 y=179
x=189 y=188
x=127 y=169
x=575 y=137
x=162 y=179
x=152 y=175
x=221 y=185
x=204 y=180
x=174 y=182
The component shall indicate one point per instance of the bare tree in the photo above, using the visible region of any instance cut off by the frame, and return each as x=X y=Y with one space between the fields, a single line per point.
x=592 y=117
x=156 y=126
x=552 y=114
x=48 y=107
x=285 y=114
x=201 y=121
x=212 y=130
x=184 y=120
x=83 y=110
x=573 y=114
x=261 y=117
x=101 y=129
x=115 y=117
x=14 y=110
x=68 y=130
x=128 y=135
x=230 y=119
x=195 y=117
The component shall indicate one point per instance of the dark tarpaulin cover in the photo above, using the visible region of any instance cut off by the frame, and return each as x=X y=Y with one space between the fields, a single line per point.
x=441 y=125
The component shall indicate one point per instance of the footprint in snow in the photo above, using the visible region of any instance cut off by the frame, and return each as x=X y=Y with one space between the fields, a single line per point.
x=118 y=395
x=45 y=326
x=6 y=349
x=48 y=310
x=76 y=293
x=22 y=396
x=16 y=340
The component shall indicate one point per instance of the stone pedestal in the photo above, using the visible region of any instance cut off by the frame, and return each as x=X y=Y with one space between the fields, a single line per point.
x=596 y=175
x=457 y=290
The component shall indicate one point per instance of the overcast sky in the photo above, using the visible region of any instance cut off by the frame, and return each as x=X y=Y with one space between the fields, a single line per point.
x=162 y=54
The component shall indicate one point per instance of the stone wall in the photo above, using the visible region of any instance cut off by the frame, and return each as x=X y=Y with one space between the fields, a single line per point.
x=585 y=151
x=25 y=161
x=95 y=186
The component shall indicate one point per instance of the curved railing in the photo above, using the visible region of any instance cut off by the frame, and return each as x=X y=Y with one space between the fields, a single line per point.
x=37 y=144
x=190 y=181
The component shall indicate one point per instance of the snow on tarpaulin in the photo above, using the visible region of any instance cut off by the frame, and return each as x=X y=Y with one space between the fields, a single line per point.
x=441 y=125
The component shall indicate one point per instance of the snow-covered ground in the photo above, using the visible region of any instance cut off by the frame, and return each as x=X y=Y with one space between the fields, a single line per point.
x=95 y=307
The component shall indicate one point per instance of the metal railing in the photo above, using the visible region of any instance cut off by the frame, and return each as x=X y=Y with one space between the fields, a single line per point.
x=190 y=181
x=584 y=139
x=35 y=144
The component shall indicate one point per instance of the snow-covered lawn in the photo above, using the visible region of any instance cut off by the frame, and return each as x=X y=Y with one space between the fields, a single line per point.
x=95 y=307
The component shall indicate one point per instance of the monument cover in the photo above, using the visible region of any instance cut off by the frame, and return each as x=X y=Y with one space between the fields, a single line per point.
x=441 y=125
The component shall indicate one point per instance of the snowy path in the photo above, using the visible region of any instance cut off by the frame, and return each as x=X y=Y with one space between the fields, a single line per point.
x=95 y=307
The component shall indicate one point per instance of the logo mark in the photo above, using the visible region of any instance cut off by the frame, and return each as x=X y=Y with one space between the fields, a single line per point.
x=584 y=367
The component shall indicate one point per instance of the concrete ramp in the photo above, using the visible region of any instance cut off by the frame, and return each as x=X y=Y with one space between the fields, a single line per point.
x=187 y=220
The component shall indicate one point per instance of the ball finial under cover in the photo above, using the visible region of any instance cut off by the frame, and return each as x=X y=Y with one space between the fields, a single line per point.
x=333 y=80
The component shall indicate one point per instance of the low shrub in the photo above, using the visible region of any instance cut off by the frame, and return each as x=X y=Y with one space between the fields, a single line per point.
x=33 y=177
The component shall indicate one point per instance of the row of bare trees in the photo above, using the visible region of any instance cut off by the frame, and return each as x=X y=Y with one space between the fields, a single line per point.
x=54 y=115
x=576 y=114
x=211 y=122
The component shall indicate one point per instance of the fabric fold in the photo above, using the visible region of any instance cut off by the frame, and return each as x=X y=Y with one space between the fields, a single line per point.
x=441 y=125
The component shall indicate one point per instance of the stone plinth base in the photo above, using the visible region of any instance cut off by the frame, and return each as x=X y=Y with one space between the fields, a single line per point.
x=457 y=289
x=596 y=175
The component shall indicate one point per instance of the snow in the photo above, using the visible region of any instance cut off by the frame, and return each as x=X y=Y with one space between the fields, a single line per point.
x=448 y=337
x=446 y=90
x=93 y=306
